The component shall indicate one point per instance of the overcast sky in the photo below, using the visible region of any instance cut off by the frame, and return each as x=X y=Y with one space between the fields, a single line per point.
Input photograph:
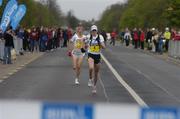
x=86 y=9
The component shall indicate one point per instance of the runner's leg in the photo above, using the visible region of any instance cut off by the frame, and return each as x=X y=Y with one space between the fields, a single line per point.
x=74 y=59
x=96 y=73
x=75 y=64
x=78 y=66
x=91 y=67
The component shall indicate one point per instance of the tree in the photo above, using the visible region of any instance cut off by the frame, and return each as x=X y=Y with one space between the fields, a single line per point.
x=111 y=16
x=141 y=13
x=72 y=21
x=173 y=13
x=144 y=13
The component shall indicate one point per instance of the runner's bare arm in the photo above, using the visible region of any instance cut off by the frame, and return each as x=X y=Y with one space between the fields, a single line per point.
x=103 y=45
x=70 y=45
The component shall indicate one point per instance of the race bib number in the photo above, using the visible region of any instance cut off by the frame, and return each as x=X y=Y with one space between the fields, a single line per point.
x=79 y=44
x=94 y=49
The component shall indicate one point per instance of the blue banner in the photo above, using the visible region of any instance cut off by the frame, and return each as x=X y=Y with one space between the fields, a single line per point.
x=1 y=2
x=67 y=111
x=159 y=113
x=9 y=11
x=18 y=16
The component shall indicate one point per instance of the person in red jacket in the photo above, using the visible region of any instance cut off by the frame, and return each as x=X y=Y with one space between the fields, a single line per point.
x=173 y=33
x=135 y=38
x=33 y=39
x=113 y=37
x=50 y=37
x=69 y=33
x=177 y=36
x=142 y=37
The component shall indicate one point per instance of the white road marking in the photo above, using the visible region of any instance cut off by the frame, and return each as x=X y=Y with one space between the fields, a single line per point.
x=19 y=68
x=5 y=77
x=14 y=71
x=26 y=63
x=149 y=78
x=22 y=65
x=10 y=73
x=107 y=98
x=138 y=99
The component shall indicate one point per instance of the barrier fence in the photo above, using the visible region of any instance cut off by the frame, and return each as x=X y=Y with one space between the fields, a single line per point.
x=1 y=49
x=38 y=110
x=174 y=48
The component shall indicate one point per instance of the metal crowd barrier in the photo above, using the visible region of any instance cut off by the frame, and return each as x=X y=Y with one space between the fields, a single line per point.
x=18 y=45
x=174 y=48
x=1 y=49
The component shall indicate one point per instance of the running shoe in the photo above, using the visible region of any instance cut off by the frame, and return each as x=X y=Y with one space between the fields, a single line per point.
x=77 y=81
x=94 y=91
x=90 y=83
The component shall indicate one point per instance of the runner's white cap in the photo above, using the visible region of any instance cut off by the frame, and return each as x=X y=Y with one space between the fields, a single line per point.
x=94 y=27
x=167 y=29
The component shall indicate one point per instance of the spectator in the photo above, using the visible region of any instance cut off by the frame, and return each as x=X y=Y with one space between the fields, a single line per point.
x=155 y=41
x=142 y=38
x=53 y=45
x=173 y=34
x=49 y=42
x=135 y=38
x=60 y=37
x=43 y=40
x=139 y=35
x=26 y=43
x=56 y=40
x=177 y=36
x=149 y=39
x=167 y=36
x=113 y=37
x=65 y=37
x=127 y=36
x=8 y=36
x=160 y=43
x=33 y=39
x=121 y=34
x=69 y=33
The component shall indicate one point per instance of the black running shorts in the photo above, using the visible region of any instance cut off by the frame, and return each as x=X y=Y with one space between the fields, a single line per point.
x=96 y=58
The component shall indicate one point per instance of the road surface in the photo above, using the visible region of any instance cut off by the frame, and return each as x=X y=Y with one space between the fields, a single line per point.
x=51 y=78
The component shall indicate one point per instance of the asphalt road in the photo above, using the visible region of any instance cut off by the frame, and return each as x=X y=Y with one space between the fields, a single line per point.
x=155 y=80
x=51 y=78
